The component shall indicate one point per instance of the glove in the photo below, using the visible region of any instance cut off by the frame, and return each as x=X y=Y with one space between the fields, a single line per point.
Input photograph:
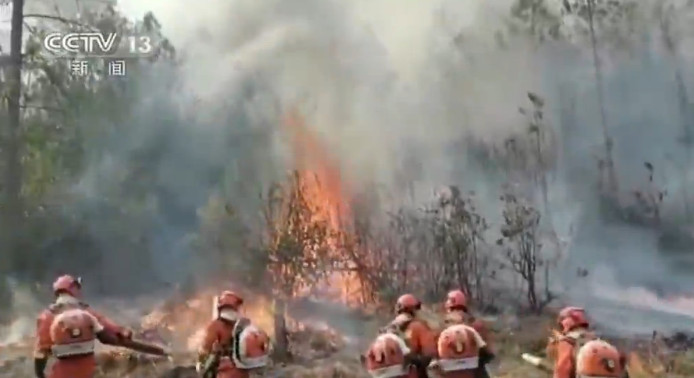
x=425 y=361
x=39 y=367
x=417 y=360
x=435 y=366
x=126 y=334
x=486 y=356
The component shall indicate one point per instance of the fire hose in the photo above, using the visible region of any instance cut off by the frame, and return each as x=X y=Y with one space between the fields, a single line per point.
x=144 y=347
x=538 y=362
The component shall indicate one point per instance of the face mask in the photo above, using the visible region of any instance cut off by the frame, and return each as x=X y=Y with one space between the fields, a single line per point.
x=229 y=314
x=66 y=299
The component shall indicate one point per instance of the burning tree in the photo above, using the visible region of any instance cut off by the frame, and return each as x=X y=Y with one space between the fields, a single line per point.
x=298 y=246
x=521 y=239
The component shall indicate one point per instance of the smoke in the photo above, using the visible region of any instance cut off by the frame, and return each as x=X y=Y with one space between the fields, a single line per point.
x=388 y=85
x=395 y=91
x=377 y=92
x=24 y=302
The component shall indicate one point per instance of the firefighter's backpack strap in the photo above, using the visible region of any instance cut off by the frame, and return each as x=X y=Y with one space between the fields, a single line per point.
x=240 y=325
x=578 y=340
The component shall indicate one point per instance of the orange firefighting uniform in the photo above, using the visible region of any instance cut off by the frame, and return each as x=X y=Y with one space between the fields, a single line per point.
x=235 y=344
x=565 y=364
x=68 y=330
x=420 y=338
x=406 y=345
x=219 y=336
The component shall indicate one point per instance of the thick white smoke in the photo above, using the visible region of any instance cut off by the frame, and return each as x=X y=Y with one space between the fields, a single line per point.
x=380 y=81
x=387 y=82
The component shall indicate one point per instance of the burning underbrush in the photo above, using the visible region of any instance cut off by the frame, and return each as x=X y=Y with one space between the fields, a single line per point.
x=181 y=322
x=178 y=324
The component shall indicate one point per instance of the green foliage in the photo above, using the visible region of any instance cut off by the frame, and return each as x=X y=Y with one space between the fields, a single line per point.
x=63 y=112
x=66 y=121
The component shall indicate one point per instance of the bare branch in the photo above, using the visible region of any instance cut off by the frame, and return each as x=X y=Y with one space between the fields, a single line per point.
x=63 y=20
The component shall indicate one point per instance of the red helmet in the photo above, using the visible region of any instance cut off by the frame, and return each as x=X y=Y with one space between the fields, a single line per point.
x=407 y=303
x=572 y=317
x=229 y=299
x=67 y=284
x=456 y=300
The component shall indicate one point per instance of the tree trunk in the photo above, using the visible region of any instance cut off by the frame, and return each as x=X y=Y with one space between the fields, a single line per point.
x=281 y=333
x=12 y=211
x=609 y=161
x=13 y=174
x=542 y=172
x=685 y=114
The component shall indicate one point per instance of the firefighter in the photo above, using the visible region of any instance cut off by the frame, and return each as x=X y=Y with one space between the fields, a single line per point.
x=68 y=330
x=232 y=346
x=416 y=340
x=463 y=346
x=580 y=353
x=457 y=312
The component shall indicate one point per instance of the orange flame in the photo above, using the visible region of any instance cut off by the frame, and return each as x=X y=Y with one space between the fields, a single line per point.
x=319 y=171
x=186 y=320
x=326 y=189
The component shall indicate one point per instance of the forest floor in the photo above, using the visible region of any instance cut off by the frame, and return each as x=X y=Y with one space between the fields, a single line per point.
x=323 y=351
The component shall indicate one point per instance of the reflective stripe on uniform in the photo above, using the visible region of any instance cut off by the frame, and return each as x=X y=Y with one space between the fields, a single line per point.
x=389 y=372
x=252 y=363
x=459 y=364
x=75 y=349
